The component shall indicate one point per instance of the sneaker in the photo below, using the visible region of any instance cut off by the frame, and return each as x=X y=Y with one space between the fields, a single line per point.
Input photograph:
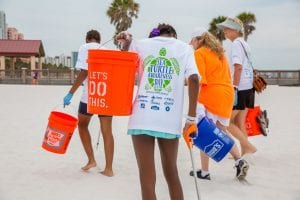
x=241 y=169
x=199 y=175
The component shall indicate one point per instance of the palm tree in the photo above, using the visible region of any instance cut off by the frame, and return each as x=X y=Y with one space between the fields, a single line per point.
x=248 y=19
x=214 y=30
x=121 y=13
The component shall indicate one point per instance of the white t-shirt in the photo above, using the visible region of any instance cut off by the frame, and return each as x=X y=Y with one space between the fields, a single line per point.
x=238 y=56
x=164 y=65
x=83 y=65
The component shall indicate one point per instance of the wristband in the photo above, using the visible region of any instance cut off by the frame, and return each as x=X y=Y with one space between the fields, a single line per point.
x=190 y=120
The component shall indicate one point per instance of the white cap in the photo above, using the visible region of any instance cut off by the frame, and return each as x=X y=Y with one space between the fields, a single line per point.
x=198 y=32
x=231 y=23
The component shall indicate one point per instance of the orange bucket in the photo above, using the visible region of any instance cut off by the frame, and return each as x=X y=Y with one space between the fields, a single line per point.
x=59 y=132
x=252 y=126
x=111 y=76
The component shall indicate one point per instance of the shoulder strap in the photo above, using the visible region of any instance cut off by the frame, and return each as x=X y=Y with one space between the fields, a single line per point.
x=246 y=54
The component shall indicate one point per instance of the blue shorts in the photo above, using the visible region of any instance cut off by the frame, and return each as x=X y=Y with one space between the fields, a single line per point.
x=82 y=109
x=155 y=134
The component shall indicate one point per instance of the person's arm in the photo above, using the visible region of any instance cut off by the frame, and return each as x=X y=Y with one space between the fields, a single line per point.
x=79 y=80
x=237 y=74
x=193 y=90
x=237 y=57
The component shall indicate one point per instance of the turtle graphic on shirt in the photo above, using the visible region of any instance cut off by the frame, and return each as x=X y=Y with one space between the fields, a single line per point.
x=160 y=72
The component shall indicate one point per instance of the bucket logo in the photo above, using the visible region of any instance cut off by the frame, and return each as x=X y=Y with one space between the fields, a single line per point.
x=160 y=72
x=248 y=126
x=97 y=88
x=219 y=133
x=212 y=149
x=53 y=138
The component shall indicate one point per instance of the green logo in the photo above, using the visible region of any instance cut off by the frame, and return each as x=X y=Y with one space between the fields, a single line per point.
x=160 y=72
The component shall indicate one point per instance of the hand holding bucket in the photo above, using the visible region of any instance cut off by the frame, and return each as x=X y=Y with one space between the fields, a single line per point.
x=59 y=131
x=67 y=99
x=189 y=134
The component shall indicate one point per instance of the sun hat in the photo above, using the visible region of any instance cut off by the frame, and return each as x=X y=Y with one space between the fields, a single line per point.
x=198 y=32
x=231 y=23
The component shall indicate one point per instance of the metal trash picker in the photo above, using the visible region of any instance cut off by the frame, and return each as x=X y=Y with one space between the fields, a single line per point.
x=188 y=137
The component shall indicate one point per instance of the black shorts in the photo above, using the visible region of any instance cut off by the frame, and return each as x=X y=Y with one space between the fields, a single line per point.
x=245 y=99
x=83 y=110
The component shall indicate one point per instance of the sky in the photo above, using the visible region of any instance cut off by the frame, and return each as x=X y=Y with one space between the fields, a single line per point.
x=62 y=24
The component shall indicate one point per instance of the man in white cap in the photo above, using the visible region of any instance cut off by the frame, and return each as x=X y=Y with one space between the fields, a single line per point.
x=242 y=76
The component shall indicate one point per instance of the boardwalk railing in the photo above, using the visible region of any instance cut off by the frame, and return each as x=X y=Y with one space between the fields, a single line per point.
x=44 y=77
x=67 y=77
x=281 y=77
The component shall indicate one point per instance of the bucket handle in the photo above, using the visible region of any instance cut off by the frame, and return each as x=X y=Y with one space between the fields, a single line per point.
x=104 y=43
x=70 y=109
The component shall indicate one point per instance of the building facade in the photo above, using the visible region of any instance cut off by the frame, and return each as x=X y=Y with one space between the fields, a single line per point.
x=3 y=26
x=13 y=34
x=63 y=60
x=74 y=56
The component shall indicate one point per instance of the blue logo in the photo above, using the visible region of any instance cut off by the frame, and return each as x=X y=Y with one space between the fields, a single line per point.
x=212 y=149
x=168 y=103
x=154 y=107
x=142 y=96
x=167 y=108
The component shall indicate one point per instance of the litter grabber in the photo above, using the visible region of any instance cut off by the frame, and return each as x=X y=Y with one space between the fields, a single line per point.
x=107 y=41
x=188 y=136
x=98 y=141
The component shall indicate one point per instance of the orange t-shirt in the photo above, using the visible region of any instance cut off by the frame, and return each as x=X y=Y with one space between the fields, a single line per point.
x=216 y=89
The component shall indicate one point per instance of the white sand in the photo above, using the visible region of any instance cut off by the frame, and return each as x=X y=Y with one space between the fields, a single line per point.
x=27 y=172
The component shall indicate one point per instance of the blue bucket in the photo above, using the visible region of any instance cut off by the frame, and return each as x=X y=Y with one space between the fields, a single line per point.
x=212 y=140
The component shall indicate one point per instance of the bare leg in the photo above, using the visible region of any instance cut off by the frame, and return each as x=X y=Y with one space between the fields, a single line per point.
x=168 y=152
x=234 y=151
x=83 y=122
x=106 y=129
x=246 y=146
x=205 y=158
x=204 y=161
x=240 y=121
x=144 y=152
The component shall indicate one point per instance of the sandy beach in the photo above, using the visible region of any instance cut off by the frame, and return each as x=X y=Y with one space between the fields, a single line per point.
x=28 y=172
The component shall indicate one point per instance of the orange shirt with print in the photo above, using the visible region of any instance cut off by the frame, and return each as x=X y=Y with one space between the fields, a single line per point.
x=216 y=89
